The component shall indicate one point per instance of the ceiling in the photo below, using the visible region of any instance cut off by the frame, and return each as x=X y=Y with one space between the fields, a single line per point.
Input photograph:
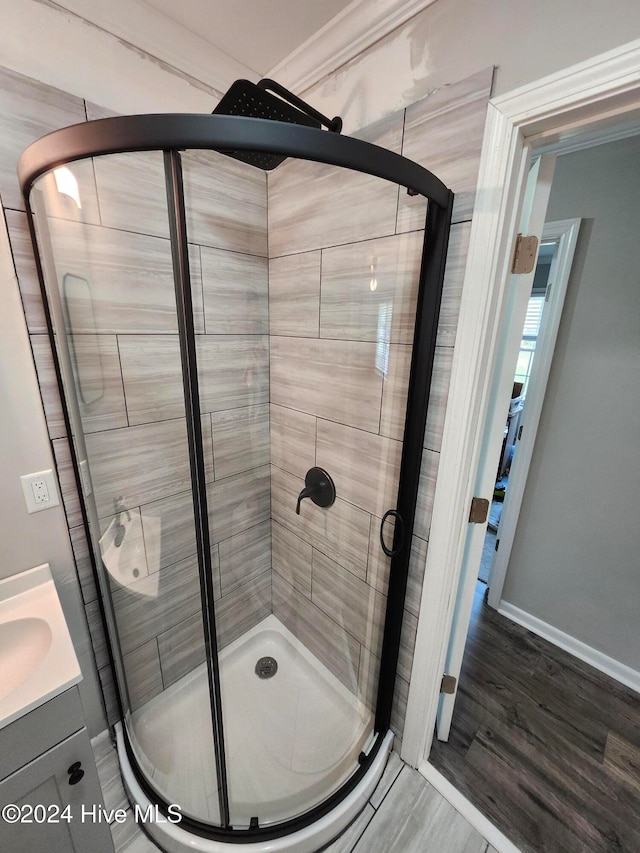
x=211 y=43
x=257 y=33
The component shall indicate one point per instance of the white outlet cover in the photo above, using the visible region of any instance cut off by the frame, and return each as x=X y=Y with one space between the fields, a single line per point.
x=27 y=480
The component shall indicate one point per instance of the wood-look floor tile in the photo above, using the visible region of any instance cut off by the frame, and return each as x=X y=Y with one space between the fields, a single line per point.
x=293 y=440
x=240 y=439
x=109 y=772
x=139 y=464
x=294 y=295
x=341 y=531
x=443 y=132
x=529 y=742
x=415 y=818
x=235 y=289
x=370 y=289
x=622 y=759
x=364 y=467
x=181 y=649
x=28 y=110
x=291 y=558
x=392 y=769
x=239 y=502
x=349 y=838
x=245 y=556
x=337 y=649
x=225 y=202
x=128 y=837
x=336 y=380
x=358 y=608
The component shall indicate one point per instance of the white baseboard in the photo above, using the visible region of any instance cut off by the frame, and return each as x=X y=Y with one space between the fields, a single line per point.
x=622 y=673
x=488 y=830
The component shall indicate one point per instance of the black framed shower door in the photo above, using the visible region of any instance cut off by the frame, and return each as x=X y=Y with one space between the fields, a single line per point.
x=163 y=138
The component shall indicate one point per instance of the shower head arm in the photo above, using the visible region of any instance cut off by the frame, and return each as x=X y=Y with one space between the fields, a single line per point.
x=333 y=124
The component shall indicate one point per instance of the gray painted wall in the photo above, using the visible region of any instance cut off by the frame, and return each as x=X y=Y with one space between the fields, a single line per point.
x=576 y=558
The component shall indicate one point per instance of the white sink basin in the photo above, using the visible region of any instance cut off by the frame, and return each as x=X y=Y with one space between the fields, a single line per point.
x=37 y=659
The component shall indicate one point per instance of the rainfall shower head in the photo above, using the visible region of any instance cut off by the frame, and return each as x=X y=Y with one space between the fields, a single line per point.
x=245 y=98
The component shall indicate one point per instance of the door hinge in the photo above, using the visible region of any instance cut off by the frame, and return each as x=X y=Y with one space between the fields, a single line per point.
x=497 y=544
x=520 y=428
x=524 y=258
x=448 y=685
x=479 y=511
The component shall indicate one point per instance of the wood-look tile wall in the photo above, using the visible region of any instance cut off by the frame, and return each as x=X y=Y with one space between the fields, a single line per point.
x=338 y=371
x=345 y=255
x=125 y=351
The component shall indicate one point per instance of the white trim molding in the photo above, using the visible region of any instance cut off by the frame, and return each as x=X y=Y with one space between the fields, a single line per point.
x=604 y=89
x=348 y=34
x=610 y=666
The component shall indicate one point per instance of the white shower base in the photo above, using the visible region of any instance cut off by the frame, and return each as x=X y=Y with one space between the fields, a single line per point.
x=290 y=742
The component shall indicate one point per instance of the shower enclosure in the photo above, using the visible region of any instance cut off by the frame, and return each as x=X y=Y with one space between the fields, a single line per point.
x=229 y=344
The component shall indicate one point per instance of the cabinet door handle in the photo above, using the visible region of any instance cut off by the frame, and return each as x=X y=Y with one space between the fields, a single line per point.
x=75 y=773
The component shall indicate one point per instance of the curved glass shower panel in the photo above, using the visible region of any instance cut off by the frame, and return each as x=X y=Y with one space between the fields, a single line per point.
x=301 y=612
x=104 y=237
x=247 y=397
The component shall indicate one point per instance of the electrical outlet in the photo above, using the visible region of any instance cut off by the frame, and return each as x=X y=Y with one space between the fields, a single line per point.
x=40 y=491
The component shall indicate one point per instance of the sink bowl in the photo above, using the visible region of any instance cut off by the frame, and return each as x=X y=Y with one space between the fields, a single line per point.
x=24 y=644
x=37 y=658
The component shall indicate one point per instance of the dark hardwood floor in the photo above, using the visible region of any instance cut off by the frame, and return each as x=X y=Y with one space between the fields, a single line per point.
x=547 y=747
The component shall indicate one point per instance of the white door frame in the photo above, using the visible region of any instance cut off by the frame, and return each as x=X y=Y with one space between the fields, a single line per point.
x=531 y=221
x=565 y=233
x=590 y=99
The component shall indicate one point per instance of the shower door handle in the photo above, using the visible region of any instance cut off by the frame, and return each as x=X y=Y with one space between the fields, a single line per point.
x=392 y=552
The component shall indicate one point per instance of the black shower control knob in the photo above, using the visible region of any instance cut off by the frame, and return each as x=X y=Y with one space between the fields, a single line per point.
x=75 y=773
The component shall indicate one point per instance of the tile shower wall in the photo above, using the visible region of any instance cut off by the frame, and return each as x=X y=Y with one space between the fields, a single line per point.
x=333 y=403
x=444 y=132
x=126 y=350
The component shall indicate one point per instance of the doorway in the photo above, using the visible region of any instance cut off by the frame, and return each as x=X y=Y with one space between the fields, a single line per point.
x=531 y=373
x=595 y=101
x=546 y=725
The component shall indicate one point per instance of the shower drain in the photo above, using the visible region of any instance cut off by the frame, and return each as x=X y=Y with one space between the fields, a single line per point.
x=266 y=667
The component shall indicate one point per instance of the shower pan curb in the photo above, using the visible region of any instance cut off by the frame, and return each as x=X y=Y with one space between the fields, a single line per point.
x=173 y=839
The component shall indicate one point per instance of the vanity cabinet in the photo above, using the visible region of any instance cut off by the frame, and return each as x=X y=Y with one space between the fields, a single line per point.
x=46 y=760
